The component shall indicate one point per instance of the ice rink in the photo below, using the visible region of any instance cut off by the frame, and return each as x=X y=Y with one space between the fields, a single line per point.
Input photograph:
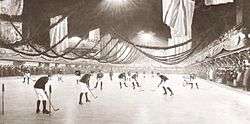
x=210 y=104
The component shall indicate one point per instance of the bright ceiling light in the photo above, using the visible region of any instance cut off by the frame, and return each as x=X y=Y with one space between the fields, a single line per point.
x=117 y=8
x=74 y=39
x=146 y=37
x=117 y=2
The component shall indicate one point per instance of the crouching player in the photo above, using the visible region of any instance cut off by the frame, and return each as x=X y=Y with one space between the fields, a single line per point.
x=84 y=84
x=41 y=93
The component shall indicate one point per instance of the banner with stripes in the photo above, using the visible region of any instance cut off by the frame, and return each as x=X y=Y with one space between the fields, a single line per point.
x=58 y=32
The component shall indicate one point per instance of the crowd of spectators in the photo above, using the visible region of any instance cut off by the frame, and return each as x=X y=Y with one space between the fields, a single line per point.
x=12 y=70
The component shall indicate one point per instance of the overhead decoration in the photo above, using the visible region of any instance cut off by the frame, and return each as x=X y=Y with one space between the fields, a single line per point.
x=10 y=8
x=217 y=2
x=178 y=15
x=95 y=35
x=104 y=51
x=58 y=32
x=232 y=40
x=116 y=47
x=111 y=50
x=164 y=59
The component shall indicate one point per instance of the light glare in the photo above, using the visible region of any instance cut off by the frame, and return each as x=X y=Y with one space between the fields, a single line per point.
x=146 y=37
x=117 y=2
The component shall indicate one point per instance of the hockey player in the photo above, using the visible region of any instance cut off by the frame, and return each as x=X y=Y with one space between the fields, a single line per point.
x=144 y=74
x=26 y=77
x=122 y=78
x=99 y=77
x=152 y=72
x=41 y=93
x=163 y=84
x=193 y=81
x=78 y=75
x=59 y=76
x=129 y=77
x=111 y=73
x=84 y=84
x=134 y=80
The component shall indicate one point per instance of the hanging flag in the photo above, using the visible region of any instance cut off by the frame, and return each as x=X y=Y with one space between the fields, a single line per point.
x=183 y=24
x=58 y=32
x=216 y=2
x=178 y=15
x=170 y=11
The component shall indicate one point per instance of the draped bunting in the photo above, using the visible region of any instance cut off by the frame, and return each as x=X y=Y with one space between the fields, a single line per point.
x=233 y=42
x=10 y=7
x=104 y=42
x=58 y=32
x=216 y=2
x=110 y=48
x=8 y=33
x=95 y=35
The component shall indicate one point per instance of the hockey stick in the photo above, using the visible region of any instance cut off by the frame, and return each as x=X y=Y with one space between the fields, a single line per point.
x=91 y=93
x=55 y=109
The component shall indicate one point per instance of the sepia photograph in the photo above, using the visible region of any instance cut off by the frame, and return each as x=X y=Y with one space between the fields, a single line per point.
x=124 y=61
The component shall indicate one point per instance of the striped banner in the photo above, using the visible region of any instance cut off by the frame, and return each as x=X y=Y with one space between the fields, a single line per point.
x=58 y=32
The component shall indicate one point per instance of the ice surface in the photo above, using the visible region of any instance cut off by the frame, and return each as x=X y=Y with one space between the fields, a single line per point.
x=210 y=104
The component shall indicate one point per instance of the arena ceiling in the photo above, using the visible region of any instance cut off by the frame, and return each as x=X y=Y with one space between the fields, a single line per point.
x=129 y=17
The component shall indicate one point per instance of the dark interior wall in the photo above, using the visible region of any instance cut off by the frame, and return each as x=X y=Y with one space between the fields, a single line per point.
x=35 y=25
x=218 y=18
x=144 y=15
x=212 y=22
x=36 y=18
x=246 y=14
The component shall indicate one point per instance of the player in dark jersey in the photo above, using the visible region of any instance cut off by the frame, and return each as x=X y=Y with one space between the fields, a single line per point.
x=99 y=77
x=84 y=83
x=135 y=81
x=193 y=81
x=111 y=73
x=164 y=84
x=27 y=77
x=122 y=78
x=41 y=93
x=144 y=74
